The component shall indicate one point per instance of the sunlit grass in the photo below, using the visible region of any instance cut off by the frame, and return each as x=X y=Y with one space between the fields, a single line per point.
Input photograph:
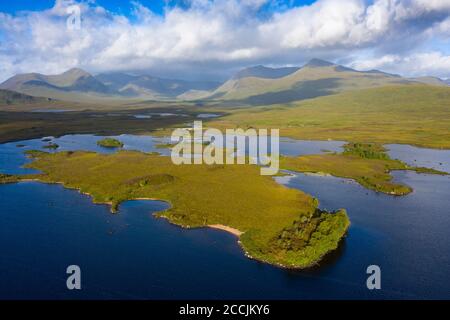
x=414 y=114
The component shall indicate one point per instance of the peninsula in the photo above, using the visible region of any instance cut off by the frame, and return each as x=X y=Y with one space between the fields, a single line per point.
x=275 y=224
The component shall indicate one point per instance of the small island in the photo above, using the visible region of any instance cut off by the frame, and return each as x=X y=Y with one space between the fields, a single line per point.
x=51 y=146
x=110 y=143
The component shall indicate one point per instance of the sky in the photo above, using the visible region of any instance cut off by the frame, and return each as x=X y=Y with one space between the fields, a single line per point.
x=212 y=39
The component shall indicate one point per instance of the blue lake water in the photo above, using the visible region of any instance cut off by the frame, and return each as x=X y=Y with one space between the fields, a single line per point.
x=132 y=255
x=420 y=157
x=12 y=155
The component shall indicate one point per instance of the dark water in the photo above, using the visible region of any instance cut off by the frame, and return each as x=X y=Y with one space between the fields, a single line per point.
x=45 y=228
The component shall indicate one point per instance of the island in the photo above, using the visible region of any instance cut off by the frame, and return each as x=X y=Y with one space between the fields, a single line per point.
x=110 y=143
x=366 y=163
x=52 y=146
x=274 y=224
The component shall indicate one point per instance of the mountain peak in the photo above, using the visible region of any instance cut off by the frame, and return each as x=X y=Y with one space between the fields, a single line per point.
x=314 y=63
x=264 y=72
x=76 y=72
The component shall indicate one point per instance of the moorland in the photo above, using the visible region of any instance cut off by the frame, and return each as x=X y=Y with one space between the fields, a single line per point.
x=319 y=101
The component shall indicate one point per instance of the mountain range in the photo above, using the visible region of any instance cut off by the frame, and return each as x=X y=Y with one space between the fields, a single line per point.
x=254 y=85
x=316 y=78
x=76 y=84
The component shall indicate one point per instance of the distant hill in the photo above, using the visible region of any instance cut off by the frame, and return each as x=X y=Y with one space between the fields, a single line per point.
x=144 y=85
x=71 y=80
x=68 y=85
x=316 y=78
x=8 y=97
x=430 y=80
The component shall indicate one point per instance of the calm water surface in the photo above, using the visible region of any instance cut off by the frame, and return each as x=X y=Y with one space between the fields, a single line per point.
x=132 y=255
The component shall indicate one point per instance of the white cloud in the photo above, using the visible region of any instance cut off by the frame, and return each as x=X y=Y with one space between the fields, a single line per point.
x=352 y=23
x=212 y=36
x=417 y=64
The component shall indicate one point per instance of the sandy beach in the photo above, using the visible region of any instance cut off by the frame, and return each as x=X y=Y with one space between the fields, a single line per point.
x=234 y=231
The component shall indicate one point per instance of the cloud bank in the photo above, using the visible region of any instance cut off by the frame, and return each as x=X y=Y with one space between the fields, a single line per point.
x=212 y=38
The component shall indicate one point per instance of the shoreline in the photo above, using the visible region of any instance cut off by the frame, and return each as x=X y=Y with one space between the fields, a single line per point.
x=222 y=227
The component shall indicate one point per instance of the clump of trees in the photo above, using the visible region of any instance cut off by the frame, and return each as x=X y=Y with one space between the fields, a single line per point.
x=310 y=230
x=366 y=150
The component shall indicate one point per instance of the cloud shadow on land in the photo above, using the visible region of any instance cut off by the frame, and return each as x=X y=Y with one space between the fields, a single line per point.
x=301 y=91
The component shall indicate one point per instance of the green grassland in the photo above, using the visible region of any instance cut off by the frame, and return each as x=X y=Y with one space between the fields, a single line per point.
x=367 y=164
x=281 y=226
x=407 y=114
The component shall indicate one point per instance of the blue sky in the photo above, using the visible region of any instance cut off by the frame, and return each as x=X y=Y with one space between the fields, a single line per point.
x=119 y=6
x=215 y=38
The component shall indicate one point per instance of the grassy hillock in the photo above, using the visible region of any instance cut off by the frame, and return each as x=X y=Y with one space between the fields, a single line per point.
x=110 y=143
x=236 y=196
